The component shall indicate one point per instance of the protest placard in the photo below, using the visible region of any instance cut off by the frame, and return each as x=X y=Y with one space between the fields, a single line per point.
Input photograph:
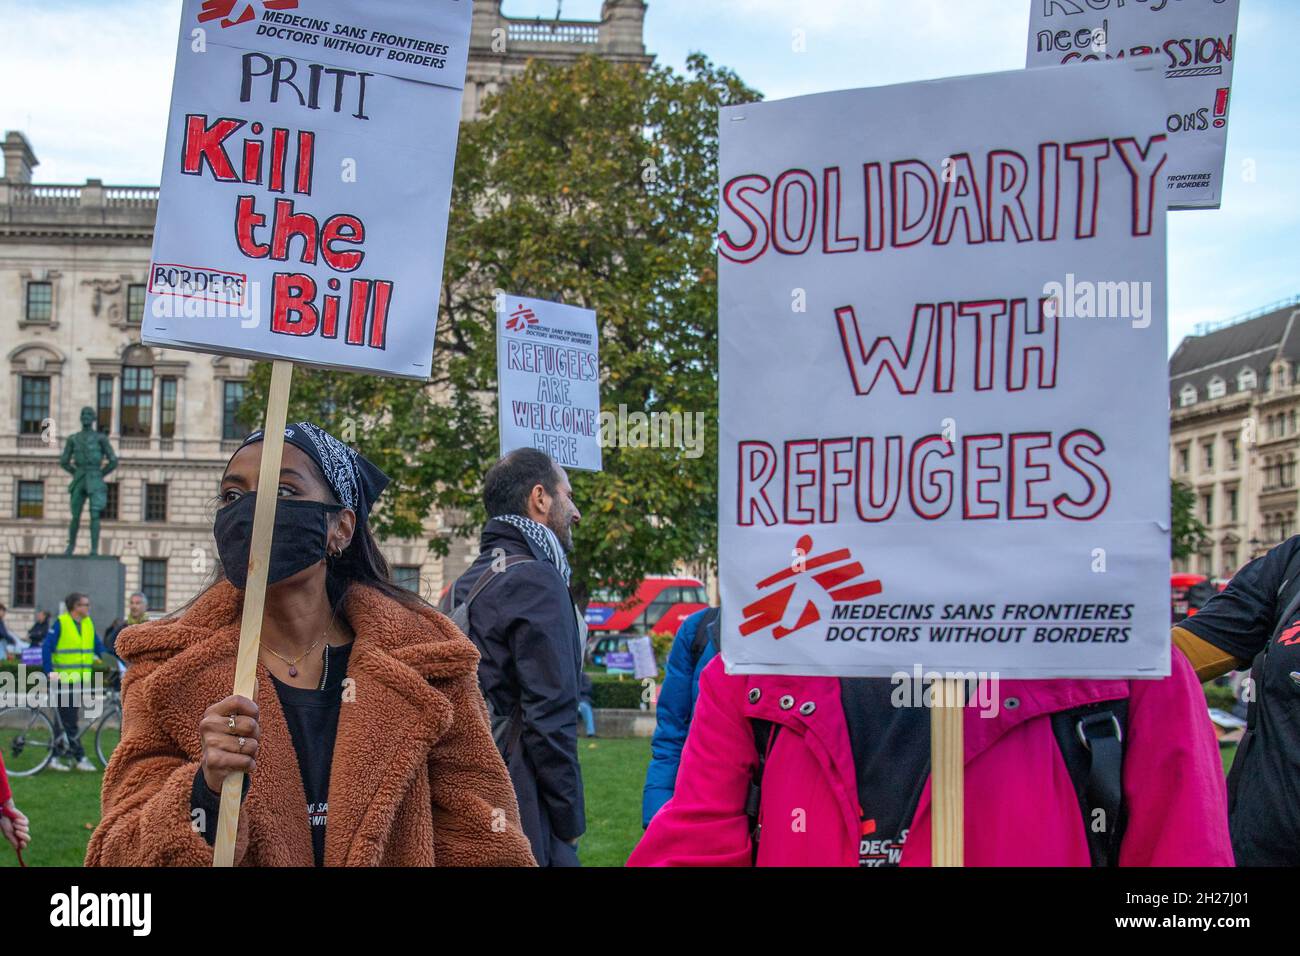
x=944 y=436
x=1194 y=44
x=548 y=380
x=307 y=180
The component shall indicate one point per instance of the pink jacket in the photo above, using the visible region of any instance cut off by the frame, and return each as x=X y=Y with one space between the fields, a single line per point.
x=1021 y=809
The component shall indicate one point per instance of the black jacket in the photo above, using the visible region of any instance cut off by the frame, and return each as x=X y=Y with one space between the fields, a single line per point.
x=526 y=629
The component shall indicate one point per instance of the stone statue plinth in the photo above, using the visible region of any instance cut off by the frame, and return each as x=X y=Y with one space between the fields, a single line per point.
x=101 y=577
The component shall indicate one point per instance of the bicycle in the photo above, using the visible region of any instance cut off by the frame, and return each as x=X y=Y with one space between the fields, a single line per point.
x=29 y=739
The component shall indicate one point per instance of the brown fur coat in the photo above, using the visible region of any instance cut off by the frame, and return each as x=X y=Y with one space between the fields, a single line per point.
x=416 y=778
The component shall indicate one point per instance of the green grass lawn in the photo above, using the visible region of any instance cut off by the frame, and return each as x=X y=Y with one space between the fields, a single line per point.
x=1228 y=753
x=63 y=808
x=613 y=773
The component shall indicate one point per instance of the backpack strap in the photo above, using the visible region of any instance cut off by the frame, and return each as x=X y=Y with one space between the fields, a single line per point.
x=460 y=612
x=506 y=729
x=765 y=734
x=1091 y=740
x=705 y=632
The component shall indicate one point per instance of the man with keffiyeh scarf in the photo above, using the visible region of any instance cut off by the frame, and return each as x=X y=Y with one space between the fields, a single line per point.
x=531 y=637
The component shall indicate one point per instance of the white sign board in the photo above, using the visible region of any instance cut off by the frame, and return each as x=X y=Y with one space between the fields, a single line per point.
x=548 y=375
x=1193 y=42
x=307 y=181
x=944 y=433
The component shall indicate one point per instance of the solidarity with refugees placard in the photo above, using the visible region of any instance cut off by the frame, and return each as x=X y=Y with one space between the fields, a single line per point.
x=1194 y=44
x=942 y=378
x=307 y=181
x=548 y=374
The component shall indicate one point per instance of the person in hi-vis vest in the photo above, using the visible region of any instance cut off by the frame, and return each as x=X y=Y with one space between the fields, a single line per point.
x=70 y=653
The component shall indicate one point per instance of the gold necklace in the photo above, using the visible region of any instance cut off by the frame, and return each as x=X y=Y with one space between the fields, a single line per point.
x=293 y=664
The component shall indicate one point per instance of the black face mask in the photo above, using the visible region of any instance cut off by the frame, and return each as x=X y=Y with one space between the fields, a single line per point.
x=300 y=539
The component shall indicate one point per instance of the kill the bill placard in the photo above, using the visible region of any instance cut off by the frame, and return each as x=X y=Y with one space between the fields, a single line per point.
x=307 y=181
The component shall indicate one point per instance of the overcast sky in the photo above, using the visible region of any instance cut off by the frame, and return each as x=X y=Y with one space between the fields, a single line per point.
x=89 y=81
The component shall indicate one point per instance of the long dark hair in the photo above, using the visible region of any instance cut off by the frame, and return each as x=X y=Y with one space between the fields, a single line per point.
x=363 y=563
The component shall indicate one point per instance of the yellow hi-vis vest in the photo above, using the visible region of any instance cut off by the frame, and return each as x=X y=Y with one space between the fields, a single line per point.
x=74 y=654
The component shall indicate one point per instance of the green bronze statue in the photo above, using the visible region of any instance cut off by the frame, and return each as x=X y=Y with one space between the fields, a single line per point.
x=83 y=458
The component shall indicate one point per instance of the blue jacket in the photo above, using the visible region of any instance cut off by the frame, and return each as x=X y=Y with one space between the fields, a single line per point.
x=676 y=704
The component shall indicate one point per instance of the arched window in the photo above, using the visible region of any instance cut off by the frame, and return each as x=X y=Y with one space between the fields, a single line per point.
x=1246 y=380
x=1217 y=388
x=1187 y=396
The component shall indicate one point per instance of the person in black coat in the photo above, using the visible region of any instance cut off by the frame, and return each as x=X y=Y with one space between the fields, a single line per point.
x=530 y=636
x=40 y=629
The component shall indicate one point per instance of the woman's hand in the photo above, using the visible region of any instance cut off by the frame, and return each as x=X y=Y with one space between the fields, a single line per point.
x=14 y=826
x=222 y=754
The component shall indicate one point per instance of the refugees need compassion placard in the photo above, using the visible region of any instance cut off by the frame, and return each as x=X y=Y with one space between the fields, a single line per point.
x=1193 y=42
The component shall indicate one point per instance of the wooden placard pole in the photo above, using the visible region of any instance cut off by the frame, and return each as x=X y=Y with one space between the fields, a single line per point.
x=250 y=627
x=947 y=773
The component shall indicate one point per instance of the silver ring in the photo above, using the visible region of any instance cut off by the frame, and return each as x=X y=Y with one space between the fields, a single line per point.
x=242 y=741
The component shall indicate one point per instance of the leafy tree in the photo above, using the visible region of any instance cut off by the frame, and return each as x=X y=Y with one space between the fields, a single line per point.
x=1188 y=532
x=593 y=184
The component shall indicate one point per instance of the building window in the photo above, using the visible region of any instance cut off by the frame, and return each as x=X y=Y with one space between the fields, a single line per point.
x=1217 y=388
x=153 y=581
x=1246 y=380
x=1207 y=451
x=1232 y=504
x=407 y=576
x=232 y=397
x=135 y=304
x=155 y=502
x=24 y=589
x=1230 y=561
x=137 y=401
x=1187 y=396
x=104 y=403
x=31 y=499
x=35 y=410
x=40 y=301
x=1207 y=507
x=1184 y=460
x=114 y=503
x=1234 y=452
x=167 y=408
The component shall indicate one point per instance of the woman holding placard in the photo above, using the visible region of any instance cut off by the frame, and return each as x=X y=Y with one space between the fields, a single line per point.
x=368 y=743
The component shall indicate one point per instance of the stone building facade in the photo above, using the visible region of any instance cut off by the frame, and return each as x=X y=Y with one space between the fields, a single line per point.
x=73 y=266
x=1234 y=434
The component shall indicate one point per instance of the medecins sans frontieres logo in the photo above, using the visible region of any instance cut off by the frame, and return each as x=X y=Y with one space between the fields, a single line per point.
x=234 y=12
x=790 y=603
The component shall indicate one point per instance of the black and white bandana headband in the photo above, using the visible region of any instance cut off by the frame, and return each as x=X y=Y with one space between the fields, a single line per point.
x=356 y=482
x=544 y=538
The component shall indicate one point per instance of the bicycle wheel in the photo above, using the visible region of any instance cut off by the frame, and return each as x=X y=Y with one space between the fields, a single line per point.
x=26 y=739
x=108 y=732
